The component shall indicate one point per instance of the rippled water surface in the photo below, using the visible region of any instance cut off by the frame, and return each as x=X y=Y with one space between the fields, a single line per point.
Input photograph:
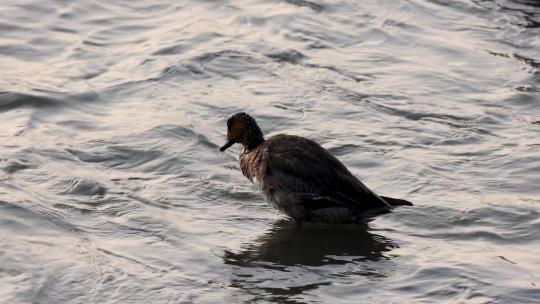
x=112 y=188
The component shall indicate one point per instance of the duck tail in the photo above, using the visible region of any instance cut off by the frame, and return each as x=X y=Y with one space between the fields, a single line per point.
x=394 y=202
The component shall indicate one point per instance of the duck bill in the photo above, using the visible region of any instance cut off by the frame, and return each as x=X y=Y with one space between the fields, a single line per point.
x=226 y=146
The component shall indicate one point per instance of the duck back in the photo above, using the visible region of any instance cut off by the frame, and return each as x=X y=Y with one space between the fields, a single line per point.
x=302 y=179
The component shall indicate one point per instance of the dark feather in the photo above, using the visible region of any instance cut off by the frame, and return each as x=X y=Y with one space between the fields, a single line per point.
x=303 y=166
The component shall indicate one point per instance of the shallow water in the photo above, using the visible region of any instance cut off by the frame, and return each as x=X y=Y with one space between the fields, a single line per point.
x=112 y=188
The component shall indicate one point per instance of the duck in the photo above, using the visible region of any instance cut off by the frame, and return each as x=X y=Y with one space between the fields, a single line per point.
x=302 y=179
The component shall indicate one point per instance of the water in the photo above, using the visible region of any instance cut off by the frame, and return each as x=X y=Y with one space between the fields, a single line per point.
x=112 y=188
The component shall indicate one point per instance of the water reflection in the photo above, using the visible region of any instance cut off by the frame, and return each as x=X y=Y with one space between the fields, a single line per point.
x=290 y=260
x=312 y=245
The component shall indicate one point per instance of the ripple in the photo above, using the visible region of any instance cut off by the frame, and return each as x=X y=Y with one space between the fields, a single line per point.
x=18 y=165
x=118 y=156
x=527 y=60
x=19 y=217
x=86 y=188
x=13 y=100
x=289 y=56
x=229 y=63
x=496 y=224
x=317 y=7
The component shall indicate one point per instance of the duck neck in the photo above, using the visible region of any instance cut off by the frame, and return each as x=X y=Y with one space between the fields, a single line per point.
x=253 y=139
x=253 y=143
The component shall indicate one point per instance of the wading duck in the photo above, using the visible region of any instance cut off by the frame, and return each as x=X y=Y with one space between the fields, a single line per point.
x=302 y=179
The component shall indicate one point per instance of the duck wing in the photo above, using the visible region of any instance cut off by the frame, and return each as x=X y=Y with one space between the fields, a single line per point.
x=301 y=166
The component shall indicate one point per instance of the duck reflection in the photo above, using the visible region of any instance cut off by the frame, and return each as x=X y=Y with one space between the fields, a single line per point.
x=312 y=245
x=290 y=260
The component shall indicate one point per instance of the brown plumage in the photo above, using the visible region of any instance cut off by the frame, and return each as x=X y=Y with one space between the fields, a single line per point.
x=301 y=178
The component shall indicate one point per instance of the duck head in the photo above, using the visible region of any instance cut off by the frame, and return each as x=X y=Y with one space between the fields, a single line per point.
x=242 y=129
